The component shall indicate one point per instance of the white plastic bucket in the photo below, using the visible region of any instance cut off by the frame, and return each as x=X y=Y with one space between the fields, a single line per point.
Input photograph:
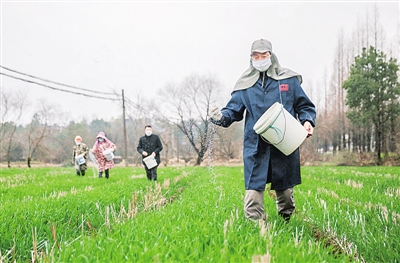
x=150 y=162
x=80 y=159
x=281 y=129
x=108 y=154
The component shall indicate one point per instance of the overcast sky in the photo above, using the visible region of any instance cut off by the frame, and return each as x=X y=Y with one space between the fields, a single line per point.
x=141 y=46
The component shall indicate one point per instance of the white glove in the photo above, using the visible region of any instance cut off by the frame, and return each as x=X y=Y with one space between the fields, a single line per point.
x=215 y=113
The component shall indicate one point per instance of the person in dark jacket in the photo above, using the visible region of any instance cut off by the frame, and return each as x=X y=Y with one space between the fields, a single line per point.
x=261 y=85
x=150 y=145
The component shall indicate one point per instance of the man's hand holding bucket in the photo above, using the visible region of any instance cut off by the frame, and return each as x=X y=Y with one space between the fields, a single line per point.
x=309 y=128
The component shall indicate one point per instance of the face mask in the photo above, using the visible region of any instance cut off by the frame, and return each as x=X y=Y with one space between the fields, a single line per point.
x=77 y=143
x=101 y=139
x=148 y=133
x=262 y=65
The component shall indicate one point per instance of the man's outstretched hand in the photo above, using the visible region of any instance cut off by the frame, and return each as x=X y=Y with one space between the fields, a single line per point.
x=215 y=113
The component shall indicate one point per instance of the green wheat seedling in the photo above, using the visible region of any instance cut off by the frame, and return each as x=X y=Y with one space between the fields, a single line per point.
x=195 y=214
x=358 y=218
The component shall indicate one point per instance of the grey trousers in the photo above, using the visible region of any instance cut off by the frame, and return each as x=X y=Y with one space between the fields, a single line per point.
x=254 y=203
x=285 y=201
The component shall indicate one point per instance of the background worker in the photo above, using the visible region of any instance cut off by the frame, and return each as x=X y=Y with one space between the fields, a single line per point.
x=105 y=161
x=80 y=156
x=150 y=144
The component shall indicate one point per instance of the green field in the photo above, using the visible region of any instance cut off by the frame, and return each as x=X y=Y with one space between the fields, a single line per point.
x=195 y=214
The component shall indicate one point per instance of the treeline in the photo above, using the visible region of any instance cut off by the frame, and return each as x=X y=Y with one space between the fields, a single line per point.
x=358 y=99
x=53 y=144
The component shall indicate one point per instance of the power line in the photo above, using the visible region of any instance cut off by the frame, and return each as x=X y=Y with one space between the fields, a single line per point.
x=58 y=83
x=151 y=115
x=68 y=91
x=134 y=105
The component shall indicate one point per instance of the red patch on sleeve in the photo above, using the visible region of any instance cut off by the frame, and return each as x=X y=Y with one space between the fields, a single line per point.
x=284 y=87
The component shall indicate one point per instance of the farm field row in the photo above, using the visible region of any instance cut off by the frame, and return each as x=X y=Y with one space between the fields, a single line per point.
x=195 y=214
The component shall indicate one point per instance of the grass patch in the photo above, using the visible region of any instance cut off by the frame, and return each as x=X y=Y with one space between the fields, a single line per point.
x=195 y=214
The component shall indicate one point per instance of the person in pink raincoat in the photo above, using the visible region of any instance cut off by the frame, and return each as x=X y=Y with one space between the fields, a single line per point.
x=103 y=150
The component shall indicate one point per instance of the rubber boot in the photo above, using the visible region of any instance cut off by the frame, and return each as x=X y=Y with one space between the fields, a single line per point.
x=107 y=173
x=83 y=172
x=285 y=203
x=78 y=172
x=100 y=174
x=254 y=205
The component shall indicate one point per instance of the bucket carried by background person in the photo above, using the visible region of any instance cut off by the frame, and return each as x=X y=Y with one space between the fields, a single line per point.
x=279 y=128
x=80 y=159
x=108 y=154
x=150 y=162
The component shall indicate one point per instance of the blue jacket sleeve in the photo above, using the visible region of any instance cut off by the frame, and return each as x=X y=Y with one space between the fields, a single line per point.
x=233 y=111
x=304 y=107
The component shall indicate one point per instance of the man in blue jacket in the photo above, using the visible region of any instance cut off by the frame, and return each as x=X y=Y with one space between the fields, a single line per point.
x=150 y=145
x=261 y=85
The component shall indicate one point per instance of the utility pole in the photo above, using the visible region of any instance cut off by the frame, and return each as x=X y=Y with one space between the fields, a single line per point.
x=125 y=140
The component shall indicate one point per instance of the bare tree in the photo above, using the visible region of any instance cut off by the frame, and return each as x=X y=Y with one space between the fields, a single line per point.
x=187 y=105
x=38 y=130
x=12 y=108
x=6 y=106
x=19 y=106
x=167 y=139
